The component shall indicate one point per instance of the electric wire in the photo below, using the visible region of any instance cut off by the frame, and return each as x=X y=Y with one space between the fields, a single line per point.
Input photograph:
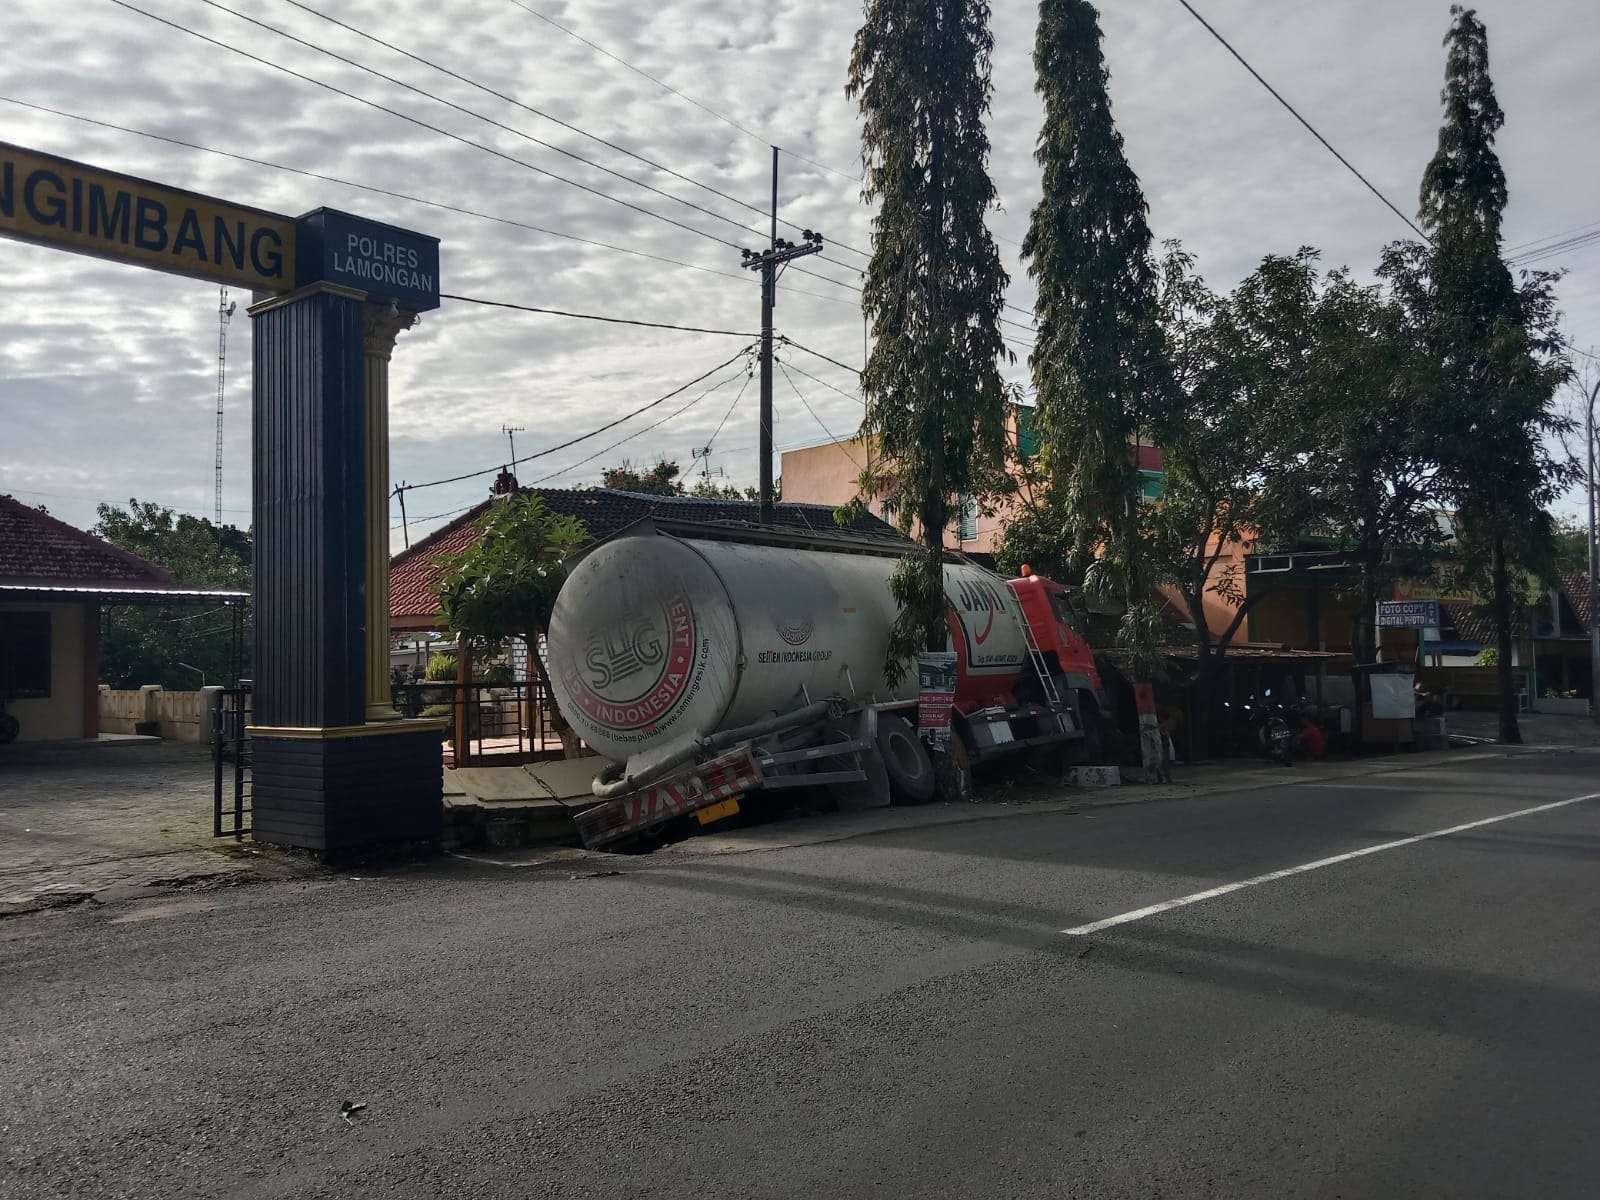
x=561 y=312
x=789 y=341
x=404 y=196
x=706 y=108
x=641 y=432
x=837 y=441
x=1311 y=129
x=538 y=112
x=661 y=83
x=381 y=191
x=420 y=123
x=855 y=396
x=582 y=437
x=465 y=111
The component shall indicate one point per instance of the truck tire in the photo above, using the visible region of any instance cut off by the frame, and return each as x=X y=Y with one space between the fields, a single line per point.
x=905 y=760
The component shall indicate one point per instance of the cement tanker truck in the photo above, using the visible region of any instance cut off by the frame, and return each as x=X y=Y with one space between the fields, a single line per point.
x=707 y=663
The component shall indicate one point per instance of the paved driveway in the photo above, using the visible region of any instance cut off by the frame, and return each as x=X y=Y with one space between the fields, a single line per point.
x=108 y=819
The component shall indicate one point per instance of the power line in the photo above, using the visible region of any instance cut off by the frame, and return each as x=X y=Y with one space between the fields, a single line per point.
x=582 y=437
x=460 y=108
x=1311 y=129
x=839 y=442
x=559 y=312
x=381 y=191
x=706 y=108
x=855 y=396
x=1551 y=237
x=648 y=428
x=729 y=413
x=1554 y=249
x=661 y=83
x=419 y=122
x=538 y=112
x=789 y=341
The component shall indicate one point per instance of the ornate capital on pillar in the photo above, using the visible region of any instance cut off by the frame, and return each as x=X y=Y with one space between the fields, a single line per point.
x=380 y=326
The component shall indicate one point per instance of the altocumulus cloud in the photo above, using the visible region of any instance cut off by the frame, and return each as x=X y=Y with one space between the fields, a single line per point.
x=107 y=372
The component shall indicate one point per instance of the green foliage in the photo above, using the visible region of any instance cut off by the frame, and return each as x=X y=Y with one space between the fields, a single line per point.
x=1569 y=548
x=1489 y=656
x=919 y=590
x=709 y=489
x=1100 y=362
x=919 y=71
x=659 y=480
x=1354 y=401
x=442 y=668
x=504 y=585
x=141 y=645
x=1498 y=342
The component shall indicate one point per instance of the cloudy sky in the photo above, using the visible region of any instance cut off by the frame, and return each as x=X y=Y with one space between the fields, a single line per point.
x=107 y=373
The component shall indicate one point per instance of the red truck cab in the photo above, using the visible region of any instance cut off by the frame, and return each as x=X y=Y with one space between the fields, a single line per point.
x=1046 y=609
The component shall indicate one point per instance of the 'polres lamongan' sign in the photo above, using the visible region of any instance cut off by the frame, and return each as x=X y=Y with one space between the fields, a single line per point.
x=72 y=206
x=385 y=262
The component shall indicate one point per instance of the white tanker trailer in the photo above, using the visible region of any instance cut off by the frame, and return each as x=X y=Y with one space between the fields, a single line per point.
x=706 y=662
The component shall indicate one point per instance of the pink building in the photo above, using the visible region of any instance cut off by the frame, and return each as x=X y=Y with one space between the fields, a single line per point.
x=827 y=473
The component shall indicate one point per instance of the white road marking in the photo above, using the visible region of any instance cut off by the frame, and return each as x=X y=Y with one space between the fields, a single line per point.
x=1139 y=914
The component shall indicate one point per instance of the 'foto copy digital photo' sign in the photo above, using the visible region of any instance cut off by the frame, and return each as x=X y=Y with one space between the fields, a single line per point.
x=386 y=262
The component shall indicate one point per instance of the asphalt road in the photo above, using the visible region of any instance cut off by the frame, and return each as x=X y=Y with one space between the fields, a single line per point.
x=897 y=1015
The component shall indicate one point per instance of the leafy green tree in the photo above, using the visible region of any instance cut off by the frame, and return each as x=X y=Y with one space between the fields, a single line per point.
x=659 y=480
x=1214 y=503
x=919 y=72
x=142 y=645
x=1099 y=361
x=1357 y=462
x=1498 y=343
x=505 y=584
x=709 y=489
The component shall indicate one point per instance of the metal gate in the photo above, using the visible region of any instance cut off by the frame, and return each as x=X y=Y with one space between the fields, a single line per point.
x=230 y=762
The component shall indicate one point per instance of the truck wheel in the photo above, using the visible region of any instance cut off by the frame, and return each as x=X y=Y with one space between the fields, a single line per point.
x=905 y=760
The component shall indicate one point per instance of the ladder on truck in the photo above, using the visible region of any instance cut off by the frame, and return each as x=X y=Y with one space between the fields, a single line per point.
x=1040 y=667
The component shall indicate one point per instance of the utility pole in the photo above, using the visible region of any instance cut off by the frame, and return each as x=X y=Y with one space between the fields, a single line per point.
x=1594 y=557
x=404 y=524
x=224 y=315
x=776 y=254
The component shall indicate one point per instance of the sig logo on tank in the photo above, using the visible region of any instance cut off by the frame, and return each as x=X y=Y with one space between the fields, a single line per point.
x=633 y=673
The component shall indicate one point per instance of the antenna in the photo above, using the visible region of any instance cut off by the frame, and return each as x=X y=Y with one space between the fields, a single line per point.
x=225 y=309
x=702 y=456
x=511 y=432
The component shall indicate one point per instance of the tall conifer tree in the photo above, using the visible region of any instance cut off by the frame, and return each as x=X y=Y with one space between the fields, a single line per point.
x=935 y=284
x=1099 y=362
x=1501 y=353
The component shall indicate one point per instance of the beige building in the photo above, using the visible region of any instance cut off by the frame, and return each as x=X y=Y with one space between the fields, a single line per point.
x=54 y=581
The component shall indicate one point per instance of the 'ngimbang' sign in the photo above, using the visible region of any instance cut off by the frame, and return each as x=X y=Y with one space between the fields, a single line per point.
x=72 y=206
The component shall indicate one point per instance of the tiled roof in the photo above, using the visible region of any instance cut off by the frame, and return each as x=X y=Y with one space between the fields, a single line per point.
x=1477 y=625
x=38 y=549
x=415 y=573
x=1576 y=589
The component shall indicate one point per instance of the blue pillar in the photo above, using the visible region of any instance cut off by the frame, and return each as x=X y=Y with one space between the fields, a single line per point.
x=322 y=778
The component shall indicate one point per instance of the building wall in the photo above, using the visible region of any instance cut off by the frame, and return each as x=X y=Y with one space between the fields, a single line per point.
x=64 y=713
